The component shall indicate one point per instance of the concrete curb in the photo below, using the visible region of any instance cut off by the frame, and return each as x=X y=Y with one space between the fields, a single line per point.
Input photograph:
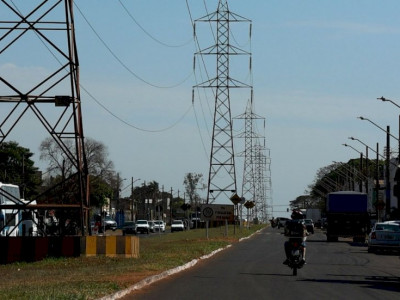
x=155 y=278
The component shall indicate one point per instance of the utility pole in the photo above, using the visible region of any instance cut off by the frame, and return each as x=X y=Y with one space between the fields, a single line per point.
x=132 y=203
x=170 y=209
x=387 y=173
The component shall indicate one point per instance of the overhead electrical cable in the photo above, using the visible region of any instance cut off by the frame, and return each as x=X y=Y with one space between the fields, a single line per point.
x=198 y=128
x=131 y=125
x=122 y=63
x=148 y=34
x=203 y=62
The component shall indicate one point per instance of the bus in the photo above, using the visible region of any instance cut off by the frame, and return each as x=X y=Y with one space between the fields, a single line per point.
x=9 y=218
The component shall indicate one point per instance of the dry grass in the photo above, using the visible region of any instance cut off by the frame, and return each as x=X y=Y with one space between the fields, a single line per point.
x=91 y=278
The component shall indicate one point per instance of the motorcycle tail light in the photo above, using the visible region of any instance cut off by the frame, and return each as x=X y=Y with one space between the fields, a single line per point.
x=295 y=244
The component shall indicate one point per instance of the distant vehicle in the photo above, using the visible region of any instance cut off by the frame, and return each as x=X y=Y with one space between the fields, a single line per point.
x=318 y=224
x=159 y=225
x=151 y=226
x=142 y=226
x=177 y=225
x=347 y=216
x=129 y=227
x=109 y=223
x=310 y=225
x=281 y=221
x=384 y=236
x=313 y=214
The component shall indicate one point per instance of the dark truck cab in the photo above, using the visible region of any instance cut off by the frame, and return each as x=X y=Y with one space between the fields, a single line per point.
x=347 y=216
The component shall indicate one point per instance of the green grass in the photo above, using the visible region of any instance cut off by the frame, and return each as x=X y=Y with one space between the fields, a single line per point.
x=94 y=277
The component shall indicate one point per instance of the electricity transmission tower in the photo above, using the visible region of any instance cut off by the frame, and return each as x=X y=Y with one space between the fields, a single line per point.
x=222 y=175
x=263 y=184
x=254 y=180
x=41 y=33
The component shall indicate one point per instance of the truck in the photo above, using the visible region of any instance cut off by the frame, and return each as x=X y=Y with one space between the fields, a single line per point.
x=347 y=216
x=313 y=214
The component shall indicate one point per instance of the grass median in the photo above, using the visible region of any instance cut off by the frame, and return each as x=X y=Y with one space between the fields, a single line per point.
x=94 y=277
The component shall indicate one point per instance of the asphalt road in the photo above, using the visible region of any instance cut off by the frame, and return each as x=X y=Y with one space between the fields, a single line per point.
x=253 y=269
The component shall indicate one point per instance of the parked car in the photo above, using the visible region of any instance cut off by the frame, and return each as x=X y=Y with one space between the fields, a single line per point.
x=142 y=226
x=129 y=227
x=151 y=226
x=109 y=223
x=310 y=225
x=159 y=225
x=384 y=236
x=177 y=225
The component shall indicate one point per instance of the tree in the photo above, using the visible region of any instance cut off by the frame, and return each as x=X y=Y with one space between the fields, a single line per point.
x=142 y=195
x=100 y=168
x=191 y=182
x=17 y=168
x=96 y=156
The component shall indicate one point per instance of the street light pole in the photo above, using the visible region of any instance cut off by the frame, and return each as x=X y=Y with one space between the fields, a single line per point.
x=377 y=186
x=396 y=188
x=361 y=165
x=387 y=172
x=133 y=200
x=394 y=103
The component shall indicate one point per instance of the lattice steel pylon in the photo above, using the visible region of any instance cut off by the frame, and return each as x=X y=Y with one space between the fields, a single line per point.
x=44 y=31
x=263 y=184
x=222 y=174
x=252 y=184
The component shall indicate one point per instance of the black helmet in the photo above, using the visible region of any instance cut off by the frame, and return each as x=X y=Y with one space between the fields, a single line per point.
x=297 y=214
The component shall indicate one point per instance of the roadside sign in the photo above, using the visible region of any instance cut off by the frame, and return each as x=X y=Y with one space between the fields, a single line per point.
x=249 y=204
x=217 y=212
x=235 y=199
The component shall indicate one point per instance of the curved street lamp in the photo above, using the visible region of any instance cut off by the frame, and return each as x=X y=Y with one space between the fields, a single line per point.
x=383 y=99
x=386 y=131
x=387 y=171
x=396 y=188
x=361 y=164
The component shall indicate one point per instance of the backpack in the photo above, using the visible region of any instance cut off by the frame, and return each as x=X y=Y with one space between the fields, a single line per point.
x=294 y=228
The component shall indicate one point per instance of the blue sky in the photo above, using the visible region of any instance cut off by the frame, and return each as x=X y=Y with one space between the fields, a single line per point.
x=317 y=66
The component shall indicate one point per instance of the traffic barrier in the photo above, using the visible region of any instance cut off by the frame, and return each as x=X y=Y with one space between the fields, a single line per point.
x=29 y=249
x=112 y=246
x=21 y=248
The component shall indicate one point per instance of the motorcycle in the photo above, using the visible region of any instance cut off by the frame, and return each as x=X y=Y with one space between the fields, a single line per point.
x=296 y=252
x=273 y=223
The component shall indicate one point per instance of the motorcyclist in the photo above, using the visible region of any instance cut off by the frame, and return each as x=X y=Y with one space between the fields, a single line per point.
x=296 y=217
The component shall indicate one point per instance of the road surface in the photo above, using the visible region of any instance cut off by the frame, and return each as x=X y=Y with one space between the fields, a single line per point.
x=253 y=269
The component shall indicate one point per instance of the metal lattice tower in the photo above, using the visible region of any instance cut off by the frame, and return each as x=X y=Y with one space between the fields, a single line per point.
x=263 y=185
x=222 y=176
x=249 y=135
x=253 y=186
x=44 y=31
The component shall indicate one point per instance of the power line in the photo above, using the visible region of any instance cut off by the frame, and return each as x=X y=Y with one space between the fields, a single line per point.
x=123 y=64
x=150 y=35
x=131 y=125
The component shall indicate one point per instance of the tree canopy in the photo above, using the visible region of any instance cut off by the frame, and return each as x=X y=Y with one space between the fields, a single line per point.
x=18 y=168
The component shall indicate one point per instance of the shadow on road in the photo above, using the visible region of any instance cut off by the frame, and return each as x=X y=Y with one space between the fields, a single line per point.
x=266 y=274
x=389 y=283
